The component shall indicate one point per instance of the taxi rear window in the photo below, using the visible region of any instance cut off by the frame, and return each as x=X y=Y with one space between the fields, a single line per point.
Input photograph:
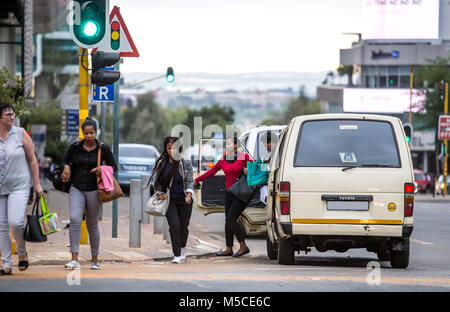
x=342 y=143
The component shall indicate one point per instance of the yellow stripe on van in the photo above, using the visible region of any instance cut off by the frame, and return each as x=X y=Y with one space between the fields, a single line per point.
x=347 y=221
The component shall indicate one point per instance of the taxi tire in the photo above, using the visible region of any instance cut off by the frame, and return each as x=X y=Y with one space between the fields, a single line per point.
x=400 y=259
x=272 y=250
x=286 y=251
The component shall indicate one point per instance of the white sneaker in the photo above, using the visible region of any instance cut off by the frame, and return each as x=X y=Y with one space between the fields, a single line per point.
x=95 y=266
x=183 y=254
x=74 y=264
x=177 y=260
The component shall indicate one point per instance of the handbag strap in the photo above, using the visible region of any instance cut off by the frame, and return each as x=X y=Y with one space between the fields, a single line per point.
x=99 y=157
x=35 y=210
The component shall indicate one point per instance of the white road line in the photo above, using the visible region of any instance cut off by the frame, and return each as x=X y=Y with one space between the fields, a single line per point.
x=421 y=242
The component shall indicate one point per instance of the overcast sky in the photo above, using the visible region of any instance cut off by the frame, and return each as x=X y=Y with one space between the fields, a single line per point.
x=239 y=36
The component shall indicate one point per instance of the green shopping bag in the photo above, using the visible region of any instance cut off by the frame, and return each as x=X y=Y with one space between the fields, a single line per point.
x=257 y=172
x=49 y=221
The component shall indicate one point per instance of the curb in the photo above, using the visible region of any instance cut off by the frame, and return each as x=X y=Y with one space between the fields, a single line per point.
x=202 y=250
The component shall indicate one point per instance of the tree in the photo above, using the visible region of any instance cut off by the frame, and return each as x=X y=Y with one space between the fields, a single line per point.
x=346 y=70
x=302 y=105
x=49 y=113
x=147 y=123
x=426 y=78
x=11 y=91
x=211 y=115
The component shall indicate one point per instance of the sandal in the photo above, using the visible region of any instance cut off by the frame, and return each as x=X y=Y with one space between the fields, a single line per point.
x=23 y=265
x=3 y=272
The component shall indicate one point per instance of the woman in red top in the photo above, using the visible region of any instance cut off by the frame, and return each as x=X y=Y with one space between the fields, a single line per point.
x=233 y=165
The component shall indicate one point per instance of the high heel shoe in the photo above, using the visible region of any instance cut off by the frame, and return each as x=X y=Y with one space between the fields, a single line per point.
x=23 y=265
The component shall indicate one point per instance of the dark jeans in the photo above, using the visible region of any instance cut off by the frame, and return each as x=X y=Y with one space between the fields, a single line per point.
x=233 y=209
x=178 y=215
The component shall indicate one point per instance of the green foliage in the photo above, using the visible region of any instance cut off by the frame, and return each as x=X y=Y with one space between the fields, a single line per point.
x=11 y=90
x=302 y=105
x=427 y=78
x=346 y=70
x=49 y=113
x=212 y=115
x=147 y=123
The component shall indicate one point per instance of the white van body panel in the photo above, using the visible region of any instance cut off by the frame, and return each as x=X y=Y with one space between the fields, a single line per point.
x=308 y=212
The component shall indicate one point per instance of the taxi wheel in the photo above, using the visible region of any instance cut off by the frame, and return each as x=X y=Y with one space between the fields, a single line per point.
x=400 y=259
x=286 y=251
x=272 y=250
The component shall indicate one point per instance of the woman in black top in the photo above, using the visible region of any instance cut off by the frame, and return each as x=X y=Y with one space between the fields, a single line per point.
x=81 y=167
x=171 y=170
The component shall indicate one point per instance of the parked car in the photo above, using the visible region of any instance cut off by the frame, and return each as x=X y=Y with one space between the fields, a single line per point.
x=341 y=181
x=134 y=161
x=422 y=181
x=440 y=185
x=209 y=198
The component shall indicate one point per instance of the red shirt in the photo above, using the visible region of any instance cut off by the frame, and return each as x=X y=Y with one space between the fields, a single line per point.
x=232 y=170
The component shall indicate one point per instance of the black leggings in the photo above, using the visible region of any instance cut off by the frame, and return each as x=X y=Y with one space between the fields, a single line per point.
x=233 y=209
x=178 y=215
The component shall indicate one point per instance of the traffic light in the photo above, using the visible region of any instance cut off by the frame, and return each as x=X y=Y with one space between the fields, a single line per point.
x=408 y=132
x=103 y=77
x=170 y=77
x=88 y=20
x=115 y=35
x=441 y=87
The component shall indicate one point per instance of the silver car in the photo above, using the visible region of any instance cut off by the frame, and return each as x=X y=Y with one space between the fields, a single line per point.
x=134 y=161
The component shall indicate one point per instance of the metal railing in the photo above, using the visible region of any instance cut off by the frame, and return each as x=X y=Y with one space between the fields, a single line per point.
x=139 y=196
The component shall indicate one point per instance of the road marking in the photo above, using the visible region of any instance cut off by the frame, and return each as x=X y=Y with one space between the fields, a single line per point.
x=421 y=242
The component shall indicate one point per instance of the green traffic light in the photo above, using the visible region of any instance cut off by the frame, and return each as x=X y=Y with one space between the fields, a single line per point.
x=90 y=29
x=408 y=139
x=89 y=22
x=170 y=78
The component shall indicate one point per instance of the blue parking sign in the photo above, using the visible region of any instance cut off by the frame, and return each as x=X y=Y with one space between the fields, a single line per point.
x=103 y=93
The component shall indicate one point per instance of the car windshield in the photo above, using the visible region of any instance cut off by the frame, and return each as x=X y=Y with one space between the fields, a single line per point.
x=347 y=143
x=419 y=176
x=138 y=151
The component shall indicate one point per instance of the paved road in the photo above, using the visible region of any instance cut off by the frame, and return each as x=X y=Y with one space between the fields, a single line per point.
x=429 y=268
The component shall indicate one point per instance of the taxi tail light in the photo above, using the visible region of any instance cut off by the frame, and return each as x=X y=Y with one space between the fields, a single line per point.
x=285 y=197
x=409 y=199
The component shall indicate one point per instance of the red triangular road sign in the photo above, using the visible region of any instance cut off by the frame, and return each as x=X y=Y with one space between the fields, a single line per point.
x=124 y=41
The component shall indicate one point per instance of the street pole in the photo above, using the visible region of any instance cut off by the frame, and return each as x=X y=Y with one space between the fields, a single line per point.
x=135 y=213
x=445 y=141
x=115 y=206
x=102 y=139
x=411 y=80
x=83 y=113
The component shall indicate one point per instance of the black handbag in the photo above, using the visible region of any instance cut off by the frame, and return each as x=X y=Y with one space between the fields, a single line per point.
x=242 y=190
x=33 y=231
x=57 y=181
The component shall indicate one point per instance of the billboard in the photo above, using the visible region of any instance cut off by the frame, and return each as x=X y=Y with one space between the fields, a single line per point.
x=400 y=19
x=389 y=101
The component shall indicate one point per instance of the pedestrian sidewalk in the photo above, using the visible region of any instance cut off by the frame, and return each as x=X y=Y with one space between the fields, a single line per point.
x=153 y=246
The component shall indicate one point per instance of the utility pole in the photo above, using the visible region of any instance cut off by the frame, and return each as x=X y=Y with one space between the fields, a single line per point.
x=411 y=81
x=83 y=113
x=445 y=141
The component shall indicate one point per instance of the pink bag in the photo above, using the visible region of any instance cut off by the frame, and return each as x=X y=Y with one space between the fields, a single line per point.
x=107 y=179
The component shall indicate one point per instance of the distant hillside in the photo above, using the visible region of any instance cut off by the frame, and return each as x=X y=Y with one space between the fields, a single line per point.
x=239 y=82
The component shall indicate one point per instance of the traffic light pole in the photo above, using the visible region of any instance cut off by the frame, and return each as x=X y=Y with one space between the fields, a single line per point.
x=83 y=111
x=445 y=141
x=115 y=207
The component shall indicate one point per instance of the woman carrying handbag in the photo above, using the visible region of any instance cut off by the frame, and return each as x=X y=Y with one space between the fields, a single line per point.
x=233 y=164
x=19 y=171
x=82 y=157
x=173 y=181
